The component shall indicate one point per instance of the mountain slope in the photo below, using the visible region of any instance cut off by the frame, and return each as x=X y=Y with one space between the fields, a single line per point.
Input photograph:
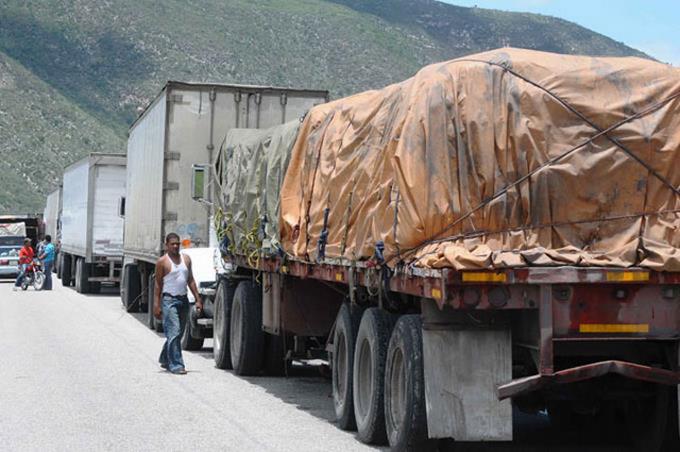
x=107 y=59
x=41 y=131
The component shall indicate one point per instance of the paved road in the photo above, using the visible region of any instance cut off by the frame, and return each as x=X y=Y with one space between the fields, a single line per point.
x=79 y=373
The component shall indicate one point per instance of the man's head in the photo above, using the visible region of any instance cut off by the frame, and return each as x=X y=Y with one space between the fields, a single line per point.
x=27 y=242
x=172 y=244
x=48 y=238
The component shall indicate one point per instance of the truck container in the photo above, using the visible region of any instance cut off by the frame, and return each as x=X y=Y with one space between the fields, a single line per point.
x=179 y=130
x=12 y=236
x=91 y=250
x=52 y=214
x=32 y=225
x=499 y=229
x=52 y=220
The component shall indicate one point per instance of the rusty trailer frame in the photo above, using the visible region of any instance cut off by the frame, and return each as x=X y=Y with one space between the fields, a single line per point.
x=573 y=304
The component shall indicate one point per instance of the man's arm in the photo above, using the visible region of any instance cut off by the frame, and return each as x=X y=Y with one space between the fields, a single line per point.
x=158 y=288
x=192 y=286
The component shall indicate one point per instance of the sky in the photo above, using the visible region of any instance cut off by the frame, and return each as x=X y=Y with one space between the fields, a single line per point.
x=652 y=26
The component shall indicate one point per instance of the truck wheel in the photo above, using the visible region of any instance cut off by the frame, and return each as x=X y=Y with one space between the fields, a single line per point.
x=132 y=288
x=275 y=355
x=647 y=421
x=150 y=320
x=246 y=336
x=188 y=341
x=369 y=375
x=405 y=416
x=82 y=274
x=66 y=270
x=158 y=325
x=221 y=323
x=344 y=341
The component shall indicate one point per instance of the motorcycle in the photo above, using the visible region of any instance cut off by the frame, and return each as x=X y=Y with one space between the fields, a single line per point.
x=34 y=276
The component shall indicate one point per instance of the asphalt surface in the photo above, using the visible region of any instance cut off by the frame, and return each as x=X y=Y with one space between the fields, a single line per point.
x=79 y=373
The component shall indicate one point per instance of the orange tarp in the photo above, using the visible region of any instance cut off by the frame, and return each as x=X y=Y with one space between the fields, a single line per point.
x=501 y=159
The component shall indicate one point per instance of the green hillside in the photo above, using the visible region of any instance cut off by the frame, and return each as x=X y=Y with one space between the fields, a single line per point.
x=82 y=70
x=40 y=132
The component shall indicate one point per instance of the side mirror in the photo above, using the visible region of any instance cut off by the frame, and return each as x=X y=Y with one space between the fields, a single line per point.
x=121 y=207
x=197 y=182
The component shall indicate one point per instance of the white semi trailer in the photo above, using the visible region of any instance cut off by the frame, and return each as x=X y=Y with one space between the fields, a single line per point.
x=181 y=129
x=91 y=229
x=52 y=219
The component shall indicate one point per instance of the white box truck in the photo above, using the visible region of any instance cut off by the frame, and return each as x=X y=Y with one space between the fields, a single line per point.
x=91 y=227
x=182 y=128
x=52 y=219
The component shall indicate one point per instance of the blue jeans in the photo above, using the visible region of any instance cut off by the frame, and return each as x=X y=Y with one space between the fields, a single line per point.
x=48 y=275
x=22 y=272
x=175 y=314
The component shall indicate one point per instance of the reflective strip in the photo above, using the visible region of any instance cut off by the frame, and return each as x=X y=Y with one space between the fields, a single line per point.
x=339 y=277
x=436 y=293
x=627 y=276
x=484 y=277
x=614 y=328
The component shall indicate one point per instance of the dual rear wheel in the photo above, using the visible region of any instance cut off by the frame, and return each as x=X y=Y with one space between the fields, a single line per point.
x=378 y=384
x=239 y=343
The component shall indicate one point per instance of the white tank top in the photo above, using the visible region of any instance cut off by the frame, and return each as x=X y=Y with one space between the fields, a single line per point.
x=175 y=281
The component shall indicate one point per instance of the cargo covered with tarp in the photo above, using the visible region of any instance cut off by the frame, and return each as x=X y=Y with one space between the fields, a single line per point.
x=502 y=159
x=249 y=171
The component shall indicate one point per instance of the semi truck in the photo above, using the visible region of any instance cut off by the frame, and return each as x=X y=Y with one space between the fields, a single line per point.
x=501 y=229
x=181 y=129
x=52 y=220
x=91 y=248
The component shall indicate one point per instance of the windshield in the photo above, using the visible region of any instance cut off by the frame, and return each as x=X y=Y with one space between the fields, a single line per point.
x=10 y=245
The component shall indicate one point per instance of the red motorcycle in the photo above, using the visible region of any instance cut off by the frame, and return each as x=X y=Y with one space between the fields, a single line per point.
x=33 y=276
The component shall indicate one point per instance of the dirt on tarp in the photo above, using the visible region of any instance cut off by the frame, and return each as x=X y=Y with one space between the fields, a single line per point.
x=501 y=159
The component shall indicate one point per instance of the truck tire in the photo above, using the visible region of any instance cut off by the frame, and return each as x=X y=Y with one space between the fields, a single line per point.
x=95 y=286
x=369 y=375
x=66 y=270
x=150 y=320
x=246 y=336
x=405 y=416
x=132 y=288
x=649 y=421
x=224 y=298
x=82 y=275
x=344 y=341
x=189 y=341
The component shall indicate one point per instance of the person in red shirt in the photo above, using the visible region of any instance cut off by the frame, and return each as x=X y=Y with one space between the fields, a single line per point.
x=25 y=258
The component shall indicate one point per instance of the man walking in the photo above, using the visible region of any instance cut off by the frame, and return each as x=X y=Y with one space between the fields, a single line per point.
x=25 y=258
x=47 y=257
x=173 y=275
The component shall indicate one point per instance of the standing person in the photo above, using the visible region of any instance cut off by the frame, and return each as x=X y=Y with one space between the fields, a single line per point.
x=47 y=256
x=173 y=275
x=25 y=258
x=40 y=248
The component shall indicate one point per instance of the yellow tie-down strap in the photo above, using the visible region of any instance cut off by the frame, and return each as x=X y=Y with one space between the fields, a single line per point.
x=613 y=328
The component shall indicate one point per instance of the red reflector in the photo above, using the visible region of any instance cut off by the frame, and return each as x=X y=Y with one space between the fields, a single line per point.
x=4 y=262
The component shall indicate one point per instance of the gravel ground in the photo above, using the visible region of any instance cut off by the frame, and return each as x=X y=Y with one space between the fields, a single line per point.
x=79 y=373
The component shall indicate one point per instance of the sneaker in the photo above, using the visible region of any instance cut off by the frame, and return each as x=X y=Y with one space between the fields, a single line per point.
x=181 y=371
x=164 y=366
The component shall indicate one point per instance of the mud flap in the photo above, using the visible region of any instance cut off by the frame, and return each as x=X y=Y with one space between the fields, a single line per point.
x=463 y=368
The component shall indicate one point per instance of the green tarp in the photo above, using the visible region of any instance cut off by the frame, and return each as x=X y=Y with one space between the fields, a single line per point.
x=249 y=171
